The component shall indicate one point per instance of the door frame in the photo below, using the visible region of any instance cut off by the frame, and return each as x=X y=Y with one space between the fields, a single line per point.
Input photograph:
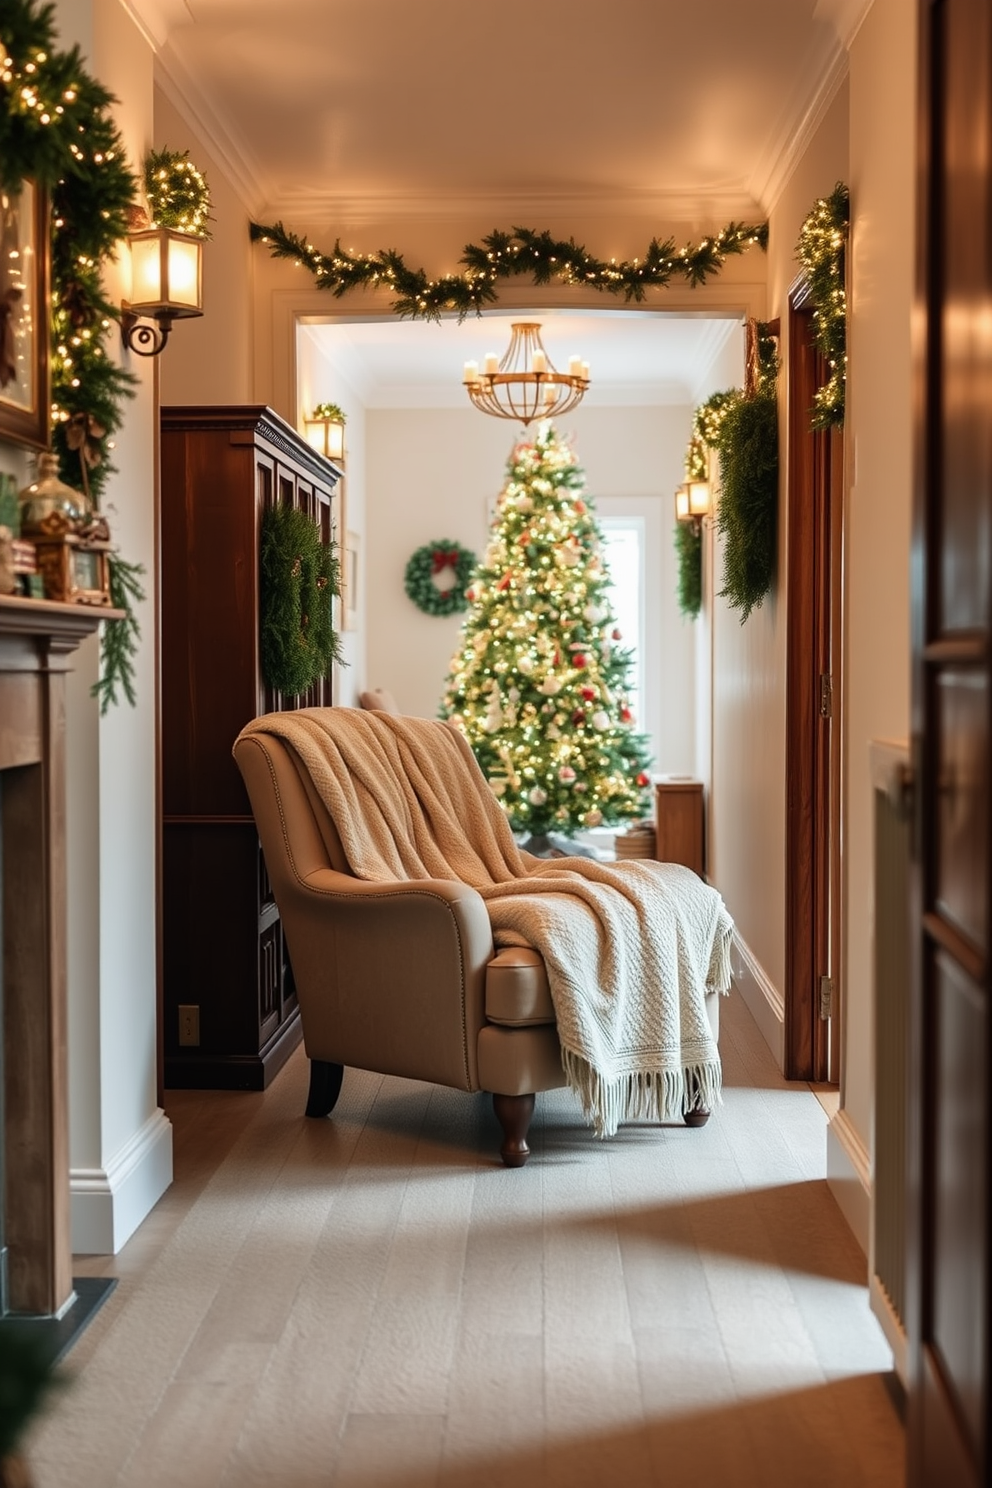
x=814 y=568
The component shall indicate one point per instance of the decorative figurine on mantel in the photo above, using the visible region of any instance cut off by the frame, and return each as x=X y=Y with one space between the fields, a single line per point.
x=70 y=539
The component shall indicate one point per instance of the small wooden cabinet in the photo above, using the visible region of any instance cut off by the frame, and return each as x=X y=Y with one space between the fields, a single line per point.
x=230 y=1018
x=678 y=820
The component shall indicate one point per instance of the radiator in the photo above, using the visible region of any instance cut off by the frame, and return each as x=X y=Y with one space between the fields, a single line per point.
x=890 y=765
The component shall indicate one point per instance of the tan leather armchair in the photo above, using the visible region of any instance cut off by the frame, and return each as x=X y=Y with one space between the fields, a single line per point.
x=401 y=978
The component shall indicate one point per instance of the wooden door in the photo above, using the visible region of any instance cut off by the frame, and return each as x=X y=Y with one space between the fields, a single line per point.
x=812 y=697
x=947 y=1258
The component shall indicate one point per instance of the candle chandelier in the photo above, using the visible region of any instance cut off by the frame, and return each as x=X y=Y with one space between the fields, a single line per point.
x=525 y=385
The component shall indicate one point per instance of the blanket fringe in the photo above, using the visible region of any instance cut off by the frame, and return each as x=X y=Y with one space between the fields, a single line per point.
x=656 y=1095
x=721 y=970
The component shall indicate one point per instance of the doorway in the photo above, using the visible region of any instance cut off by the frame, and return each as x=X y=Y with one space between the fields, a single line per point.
x=815 y=508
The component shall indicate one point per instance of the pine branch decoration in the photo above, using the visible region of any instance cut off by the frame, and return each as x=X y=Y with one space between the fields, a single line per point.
x=689 y=555
x=506 y=255
x=119 y=638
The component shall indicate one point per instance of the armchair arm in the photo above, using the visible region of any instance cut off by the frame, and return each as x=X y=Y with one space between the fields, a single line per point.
x=390 y=976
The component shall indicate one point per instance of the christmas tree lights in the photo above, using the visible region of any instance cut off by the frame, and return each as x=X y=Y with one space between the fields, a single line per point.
x=540 y=684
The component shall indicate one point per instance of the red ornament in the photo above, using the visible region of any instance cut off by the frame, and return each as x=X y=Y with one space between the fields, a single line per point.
x=578 y=660
x=643 y=779
x=580 y=507
x=625 y=715
x=618 y=634
x=523 y=539
x=504 y=582
x=589 y=693
x=578 y=716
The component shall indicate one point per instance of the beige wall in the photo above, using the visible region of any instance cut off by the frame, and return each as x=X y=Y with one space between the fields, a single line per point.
x=120 y=1143
x=209 y=359
x=879 y=428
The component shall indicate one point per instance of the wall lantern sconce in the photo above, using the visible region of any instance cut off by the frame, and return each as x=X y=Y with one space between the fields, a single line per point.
x=325 y=434
x=692 y=502
x=166 y=285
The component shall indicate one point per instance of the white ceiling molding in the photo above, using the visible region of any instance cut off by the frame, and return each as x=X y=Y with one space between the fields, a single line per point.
x=773 y=175
x=156 y=18
x=711 y=346
x=187 y=99
x=845 y=16
x=692 y=210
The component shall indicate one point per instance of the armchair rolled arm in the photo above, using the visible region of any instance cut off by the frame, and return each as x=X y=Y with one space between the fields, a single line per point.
x=390 y=976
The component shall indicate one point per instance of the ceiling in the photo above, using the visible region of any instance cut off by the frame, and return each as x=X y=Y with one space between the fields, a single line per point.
x=331 y=114
x=635 y=358
x=336 y=111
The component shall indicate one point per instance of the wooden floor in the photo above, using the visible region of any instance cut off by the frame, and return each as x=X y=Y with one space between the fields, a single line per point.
x=371 y=1301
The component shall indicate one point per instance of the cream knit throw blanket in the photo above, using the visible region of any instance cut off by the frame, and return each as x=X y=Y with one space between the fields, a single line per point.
x=631 y=948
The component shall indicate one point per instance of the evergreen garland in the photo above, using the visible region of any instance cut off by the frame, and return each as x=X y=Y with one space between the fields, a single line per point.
x=821 y=251
x=178 y=194
x=747 y=515
x=299 y=579
x=505 y=255
x=689 y=553
x=120 y=640
x=56 y=129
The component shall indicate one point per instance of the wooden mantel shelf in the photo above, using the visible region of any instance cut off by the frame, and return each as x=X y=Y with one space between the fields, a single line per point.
x=37 y=638
x=65 y=624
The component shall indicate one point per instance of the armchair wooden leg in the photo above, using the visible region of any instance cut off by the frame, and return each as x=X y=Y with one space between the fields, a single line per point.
x=696 y=1118
x=514 y=1112
x=325 y=1087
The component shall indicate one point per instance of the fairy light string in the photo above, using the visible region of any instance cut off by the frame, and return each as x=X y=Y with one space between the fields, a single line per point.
x=507 y=255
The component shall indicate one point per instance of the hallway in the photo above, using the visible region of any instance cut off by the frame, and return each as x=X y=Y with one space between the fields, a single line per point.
x=372 y=1302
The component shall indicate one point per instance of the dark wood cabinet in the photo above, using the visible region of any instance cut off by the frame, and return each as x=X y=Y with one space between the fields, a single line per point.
x=678 y=820
x=230 y=1018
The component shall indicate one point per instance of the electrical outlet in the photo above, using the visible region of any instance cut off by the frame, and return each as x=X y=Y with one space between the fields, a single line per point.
x=189 y=1024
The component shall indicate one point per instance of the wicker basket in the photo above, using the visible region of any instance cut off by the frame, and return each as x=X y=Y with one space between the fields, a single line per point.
x=637 y=842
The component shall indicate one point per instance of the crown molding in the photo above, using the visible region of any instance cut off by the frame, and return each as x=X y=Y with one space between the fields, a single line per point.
x=794 y=136
x=691 y=210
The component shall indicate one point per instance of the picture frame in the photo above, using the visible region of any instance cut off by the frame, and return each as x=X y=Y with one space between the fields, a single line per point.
x=25 y=267
x=350 y=568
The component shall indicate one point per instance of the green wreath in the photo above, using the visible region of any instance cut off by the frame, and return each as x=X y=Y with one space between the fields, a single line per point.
x=433 y=558
x=299 y=579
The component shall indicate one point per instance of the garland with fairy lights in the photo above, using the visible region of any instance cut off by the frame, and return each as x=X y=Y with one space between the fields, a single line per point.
x=177 y=192
x=56 y=129
x=707 y=422
x=506 y=255
x=821 y=251
x=424 y=567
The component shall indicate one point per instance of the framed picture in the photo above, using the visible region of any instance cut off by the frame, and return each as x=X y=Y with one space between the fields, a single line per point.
x=350 y=572
x=24 y=332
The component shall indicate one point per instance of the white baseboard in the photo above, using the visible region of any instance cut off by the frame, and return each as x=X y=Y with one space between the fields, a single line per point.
x=891 y=1325
x=849 y=1176
x=763 y=1000
x=108 y=1204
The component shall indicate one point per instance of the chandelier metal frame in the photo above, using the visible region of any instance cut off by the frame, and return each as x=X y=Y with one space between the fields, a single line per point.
x=525 y=384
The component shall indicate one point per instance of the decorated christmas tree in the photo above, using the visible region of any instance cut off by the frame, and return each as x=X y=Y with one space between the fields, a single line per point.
x=540 y=684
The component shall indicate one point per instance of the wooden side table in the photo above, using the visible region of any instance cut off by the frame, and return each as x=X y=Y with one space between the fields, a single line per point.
x=678 y=818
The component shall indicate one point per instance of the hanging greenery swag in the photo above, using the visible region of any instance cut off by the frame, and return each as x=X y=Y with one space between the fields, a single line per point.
x=821 y=250
x=505 y=255
x=742 y=427
x=689 y=555
x=300 y=578
x=430 y=561
x=56 y=129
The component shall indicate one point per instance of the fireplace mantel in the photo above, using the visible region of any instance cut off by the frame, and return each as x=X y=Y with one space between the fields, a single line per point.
x=37 y=639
